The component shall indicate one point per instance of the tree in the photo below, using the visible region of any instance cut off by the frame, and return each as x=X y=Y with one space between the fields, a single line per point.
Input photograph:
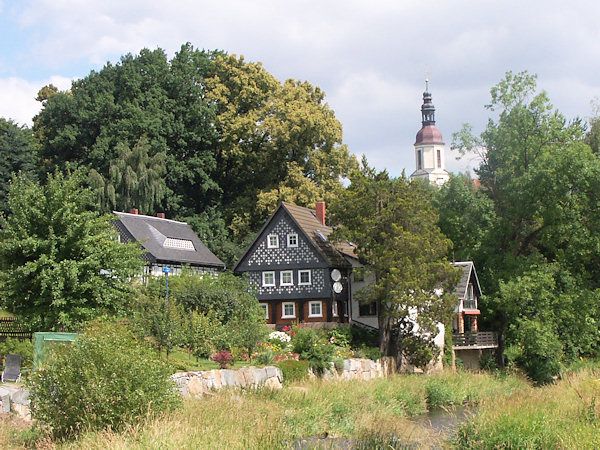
x=543 y=179
x=230 y=135
x=62 y=264
x=135 y=180
x=18 y=153
x=394 y=227
x=466 y=215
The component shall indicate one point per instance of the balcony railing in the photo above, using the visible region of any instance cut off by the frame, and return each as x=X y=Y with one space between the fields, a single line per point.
x=469 y=304
x=482 y=339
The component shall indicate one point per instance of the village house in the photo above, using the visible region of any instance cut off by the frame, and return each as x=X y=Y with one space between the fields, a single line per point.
x=299 y=276
x=469 y=344
x=167 y=243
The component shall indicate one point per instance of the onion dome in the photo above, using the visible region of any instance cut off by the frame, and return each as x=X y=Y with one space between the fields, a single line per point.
x=428 y=134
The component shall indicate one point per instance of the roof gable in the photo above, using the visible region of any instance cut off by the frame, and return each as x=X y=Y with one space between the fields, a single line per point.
x=310 y=230
x=167 y=240
x=468 y=275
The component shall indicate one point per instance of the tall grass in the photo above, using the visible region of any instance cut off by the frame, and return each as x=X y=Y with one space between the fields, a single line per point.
x=377 y=411
x=564 y=415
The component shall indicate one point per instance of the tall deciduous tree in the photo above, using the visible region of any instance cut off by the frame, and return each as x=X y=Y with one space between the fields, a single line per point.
x=61 y=261
x=230 y=131
x=544 y=182
x=394 y=227
x=18 y=153
x=135 y=180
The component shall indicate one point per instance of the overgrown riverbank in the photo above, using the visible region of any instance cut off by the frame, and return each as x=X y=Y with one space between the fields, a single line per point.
x=511 y=413
x=276 y=419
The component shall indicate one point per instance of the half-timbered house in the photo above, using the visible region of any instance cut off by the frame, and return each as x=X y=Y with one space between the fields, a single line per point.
x=298 y=275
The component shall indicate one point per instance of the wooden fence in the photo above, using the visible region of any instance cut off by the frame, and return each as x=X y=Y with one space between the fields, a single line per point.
x=11 y=327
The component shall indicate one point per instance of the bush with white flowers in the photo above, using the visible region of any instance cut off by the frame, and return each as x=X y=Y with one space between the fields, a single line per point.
x=280 y=336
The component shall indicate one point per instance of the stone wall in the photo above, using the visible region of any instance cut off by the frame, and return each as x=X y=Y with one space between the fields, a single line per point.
x=363 y=369
x=15 y=400
x=195 y=384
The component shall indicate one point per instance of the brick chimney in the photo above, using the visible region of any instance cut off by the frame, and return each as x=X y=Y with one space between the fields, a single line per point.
x=161 y=215
x=133 y=211
x=320 y=211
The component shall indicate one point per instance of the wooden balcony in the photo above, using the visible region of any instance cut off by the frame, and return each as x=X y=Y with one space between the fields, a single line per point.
x=469 y=304
x=474 y=341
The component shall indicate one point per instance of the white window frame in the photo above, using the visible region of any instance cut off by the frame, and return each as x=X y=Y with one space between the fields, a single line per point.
x=334 y=309
x=287 y=272
x=289 y=237
x=275 y=243
x=310 y=305
x=265 y=306
x=264 y=276
x=288 y=316
x=307 y=283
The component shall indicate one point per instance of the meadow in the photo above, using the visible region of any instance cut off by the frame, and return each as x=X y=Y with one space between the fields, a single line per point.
x=507 y=412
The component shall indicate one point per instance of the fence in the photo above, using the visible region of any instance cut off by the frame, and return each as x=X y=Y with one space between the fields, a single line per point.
x=11 y=327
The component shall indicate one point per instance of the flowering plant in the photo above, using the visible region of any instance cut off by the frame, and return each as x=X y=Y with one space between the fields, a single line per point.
x=280 y=336
x=287 y=356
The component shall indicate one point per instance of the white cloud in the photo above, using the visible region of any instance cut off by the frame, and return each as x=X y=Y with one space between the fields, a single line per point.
x=17 y=97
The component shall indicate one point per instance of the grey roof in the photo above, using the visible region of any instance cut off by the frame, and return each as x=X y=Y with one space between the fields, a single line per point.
x=467 y=273
x=152 y=232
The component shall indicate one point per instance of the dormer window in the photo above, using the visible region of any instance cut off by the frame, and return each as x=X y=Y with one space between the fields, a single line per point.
x=179 y=244
x=272 y=241
x=292 y=240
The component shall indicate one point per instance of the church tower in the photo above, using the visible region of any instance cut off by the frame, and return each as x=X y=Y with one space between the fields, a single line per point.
x=429 y=146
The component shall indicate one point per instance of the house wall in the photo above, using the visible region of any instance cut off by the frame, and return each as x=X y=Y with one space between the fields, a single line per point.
x=260 y=258
x=356 y=287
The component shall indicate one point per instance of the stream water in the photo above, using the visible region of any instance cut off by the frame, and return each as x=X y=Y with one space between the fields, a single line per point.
x=430 y=432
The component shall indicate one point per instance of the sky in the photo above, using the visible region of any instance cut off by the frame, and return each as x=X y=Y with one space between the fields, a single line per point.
x=370 y=57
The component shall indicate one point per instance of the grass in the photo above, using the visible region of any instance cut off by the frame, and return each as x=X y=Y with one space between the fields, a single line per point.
x=183 y=360
x=562 y=415
x=377 y=411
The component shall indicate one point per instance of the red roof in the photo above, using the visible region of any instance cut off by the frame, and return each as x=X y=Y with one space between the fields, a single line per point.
x=429 y=134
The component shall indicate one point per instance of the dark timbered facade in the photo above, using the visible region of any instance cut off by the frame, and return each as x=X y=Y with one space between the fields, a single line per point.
x=299 y=276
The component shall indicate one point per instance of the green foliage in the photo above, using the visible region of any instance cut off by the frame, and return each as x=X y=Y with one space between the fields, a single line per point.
x=393 y=225
x=341 y=336
x=211 y=119
x=18 y=153
x=538 y=250
x=204 y=334
x=23 y=347
x=293 y=370
x=207 y=313
x=108 y=379
x=313 y=347
x=466 y=215
x=161 y=319
x=541 y=350
x=134 y=180
x=61 y=262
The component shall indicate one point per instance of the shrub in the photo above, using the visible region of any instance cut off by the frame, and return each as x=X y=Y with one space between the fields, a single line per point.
x=293 y=370
x=19 y=347
x=541 y=350
x=223 y=358
x=107 y=379
x=372 y=353
x=313 y=347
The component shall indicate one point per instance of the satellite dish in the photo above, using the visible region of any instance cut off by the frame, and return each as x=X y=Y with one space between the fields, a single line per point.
x=336 y=275
x=337 y=287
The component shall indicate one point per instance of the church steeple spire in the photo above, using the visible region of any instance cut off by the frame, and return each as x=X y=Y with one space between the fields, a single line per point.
x=429 y=146
x=427 y=110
